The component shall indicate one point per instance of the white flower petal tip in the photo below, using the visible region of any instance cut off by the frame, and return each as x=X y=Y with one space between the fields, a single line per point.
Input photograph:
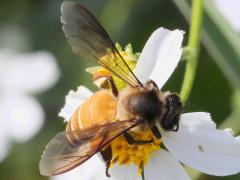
x=33 y=72
x=94 y=168
x=199 y=145
x=164 y=166
x=73 y=100
x=160 y=56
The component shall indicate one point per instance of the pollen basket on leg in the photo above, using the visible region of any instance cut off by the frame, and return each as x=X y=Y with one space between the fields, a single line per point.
x=125 y=154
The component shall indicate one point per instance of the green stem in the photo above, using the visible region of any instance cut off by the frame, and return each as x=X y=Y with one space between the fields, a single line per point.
x=194 y=44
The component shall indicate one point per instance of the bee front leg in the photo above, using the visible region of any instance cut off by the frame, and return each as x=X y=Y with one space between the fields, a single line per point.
x=156 y=132
x=132 y=141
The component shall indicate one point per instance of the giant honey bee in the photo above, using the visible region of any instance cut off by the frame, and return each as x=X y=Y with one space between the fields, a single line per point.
x=107 y=114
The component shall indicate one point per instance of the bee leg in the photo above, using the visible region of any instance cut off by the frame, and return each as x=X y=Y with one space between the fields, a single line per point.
x=152 y=83
x=107 y=169
x=106 y=82
x=142 y=173
x=112 y=86
x=176 y=127
x=132 y=141
x=107 y=157
x=156 y=132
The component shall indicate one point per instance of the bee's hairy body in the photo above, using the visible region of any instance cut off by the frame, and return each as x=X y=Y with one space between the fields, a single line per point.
x=147 y=103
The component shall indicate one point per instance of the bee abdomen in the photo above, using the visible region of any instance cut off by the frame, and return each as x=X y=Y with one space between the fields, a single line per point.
x=98 y=109
x=74 y=124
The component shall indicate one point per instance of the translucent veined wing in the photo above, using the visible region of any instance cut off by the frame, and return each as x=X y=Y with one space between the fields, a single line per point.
x=67 y=151
x=88 y=39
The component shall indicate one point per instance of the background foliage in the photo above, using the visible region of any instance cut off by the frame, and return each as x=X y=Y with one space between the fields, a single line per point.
x=126 y=21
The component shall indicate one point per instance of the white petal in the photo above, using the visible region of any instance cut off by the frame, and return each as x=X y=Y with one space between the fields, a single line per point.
x=160 y=56
x=163 y=166
x=73 y=100
x=201 y=146
x=94 y=168
x=30 y=72
x=21 y=115
x=124 y=173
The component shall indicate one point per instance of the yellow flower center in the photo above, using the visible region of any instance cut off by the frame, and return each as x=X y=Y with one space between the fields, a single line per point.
x=125 y=154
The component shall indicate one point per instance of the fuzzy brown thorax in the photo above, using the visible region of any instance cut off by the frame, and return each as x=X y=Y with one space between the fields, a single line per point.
x=157 y=108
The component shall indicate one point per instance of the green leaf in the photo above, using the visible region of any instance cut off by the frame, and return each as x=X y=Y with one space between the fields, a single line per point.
x=220 y=40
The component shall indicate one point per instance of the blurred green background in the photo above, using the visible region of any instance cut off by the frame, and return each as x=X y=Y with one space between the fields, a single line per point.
x=126 y=21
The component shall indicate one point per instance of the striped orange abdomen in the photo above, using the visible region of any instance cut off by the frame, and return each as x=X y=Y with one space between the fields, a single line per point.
x=100 y=108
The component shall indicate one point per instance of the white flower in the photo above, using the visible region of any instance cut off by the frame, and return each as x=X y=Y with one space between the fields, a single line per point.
x=197 y=143
x=230 y=11
x=21 y=75
x=27 y=73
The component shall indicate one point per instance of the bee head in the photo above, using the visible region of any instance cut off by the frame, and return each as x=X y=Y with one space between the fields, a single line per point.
x=170 y=119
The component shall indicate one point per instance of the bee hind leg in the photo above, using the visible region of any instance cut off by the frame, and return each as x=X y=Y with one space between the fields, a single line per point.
x=107 y=169
x=107 y=157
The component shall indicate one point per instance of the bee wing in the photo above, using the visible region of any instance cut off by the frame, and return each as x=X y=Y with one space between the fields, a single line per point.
x=61 y=155
x=88 y=39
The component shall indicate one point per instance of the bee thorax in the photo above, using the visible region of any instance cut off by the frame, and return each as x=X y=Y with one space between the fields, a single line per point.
x=144 y=104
